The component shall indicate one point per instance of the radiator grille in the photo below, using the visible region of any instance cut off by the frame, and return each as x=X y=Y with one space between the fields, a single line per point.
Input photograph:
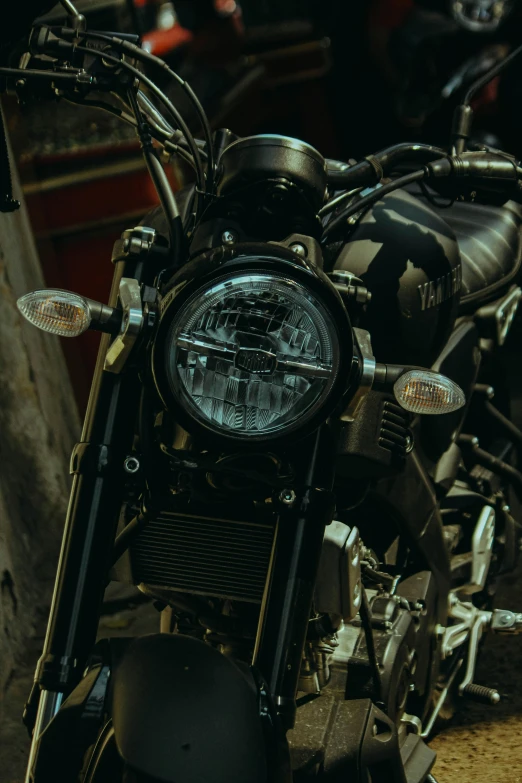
x=204 y=556
x=394 y=435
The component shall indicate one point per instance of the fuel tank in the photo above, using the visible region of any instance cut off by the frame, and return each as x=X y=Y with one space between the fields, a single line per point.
x=408 y=257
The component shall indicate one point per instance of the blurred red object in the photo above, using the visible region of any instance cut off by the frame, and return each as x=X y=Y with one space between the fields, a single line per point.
x=389 y=14
x=76 y=219
x=162 y=42
x=220 y=33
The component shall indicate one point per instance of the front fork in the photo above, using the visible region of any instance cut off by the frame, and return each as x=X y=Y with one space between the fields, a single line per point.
x=94 y=506
x=285 y=612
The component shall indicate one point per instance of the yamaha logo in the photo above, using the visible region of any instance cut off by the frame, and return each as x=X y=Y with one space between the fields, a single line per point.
x=437 y=291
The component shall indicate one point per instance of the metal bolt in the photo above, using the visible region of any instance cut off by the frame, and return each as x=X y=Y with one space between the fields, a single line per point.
x=505 y=619
x=362 y=295
x=278 y=193
x=468 y=440
x=229 y=237
x=299 y=249
x=131 y=465
x=409 y=444
x=345 y=277
x=287 y=497
x=439 y=631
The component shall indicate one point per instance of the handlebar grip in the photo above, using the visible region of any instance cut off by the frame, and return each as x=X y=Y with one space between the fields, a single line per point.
x=479 y=175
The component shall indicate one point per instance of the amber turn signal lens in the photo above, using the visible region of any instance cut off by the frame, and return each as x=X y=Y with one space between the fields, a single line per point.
x=55 y=311
x=421 y=391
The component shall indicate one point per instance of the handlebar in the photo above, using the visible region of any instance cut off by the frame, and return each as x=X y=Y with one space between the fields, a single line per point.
x=490 y=174
x=486 y=173
x=372 y=169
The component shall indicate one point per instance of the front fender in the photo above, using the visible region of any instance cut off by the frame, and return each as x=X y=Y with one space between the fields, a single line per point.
x=183 y=713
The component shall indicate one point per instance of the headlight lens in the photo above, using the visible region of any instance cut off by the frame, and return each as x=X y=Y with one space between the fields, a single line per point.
x=252 y=355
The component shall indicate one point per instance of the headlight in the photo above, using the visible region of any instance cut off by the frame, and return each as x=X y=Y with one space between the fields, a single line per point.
x=252 y=354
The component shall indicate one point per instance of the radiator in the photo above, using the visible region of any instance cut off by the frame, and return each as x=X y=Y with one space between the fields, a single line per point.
x=204 y=556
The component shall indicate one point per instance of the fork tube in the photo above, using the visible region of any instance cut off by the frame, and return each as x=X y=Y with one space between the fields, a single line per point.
x=94 y=505
x=284 y=623
x=48 y=706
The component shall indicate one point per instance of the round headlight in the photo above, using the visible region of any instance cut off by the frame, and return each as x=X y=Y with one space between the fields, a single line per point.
x=253 y=354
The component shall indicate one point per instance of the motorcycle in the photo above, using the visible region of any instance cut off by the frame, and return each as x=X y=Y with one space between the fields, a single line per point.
x=291 y=446
x=429 y=52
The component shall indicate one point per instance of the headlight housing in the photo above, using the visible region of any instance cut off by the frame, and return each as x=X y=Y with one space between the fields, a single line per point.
x=254 y=353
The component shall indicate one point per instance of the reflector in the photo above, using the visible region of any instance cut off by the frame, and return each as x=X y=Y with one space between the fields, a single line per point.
x=421 y=391
x=55 y=311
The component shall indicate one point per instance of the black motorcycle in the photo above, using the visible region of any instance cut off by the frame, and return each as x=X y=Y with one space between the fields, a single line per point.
x=290 y=446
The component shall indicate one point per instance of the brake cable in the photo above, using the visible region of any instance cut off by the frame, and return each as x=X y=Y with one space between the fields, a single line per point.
x=178 y=119
x=7 y=202
x=339 y=220
x=141 y=54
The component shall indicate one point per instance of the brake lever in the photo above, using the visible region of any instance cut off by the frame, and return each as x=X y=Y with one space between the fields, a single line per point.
x=63 y=79
x=105 y=75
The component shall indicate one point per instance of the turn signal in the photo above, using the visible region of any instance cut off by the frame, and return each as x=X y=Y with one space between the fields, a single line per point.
x=420 y=391
x=57 y=312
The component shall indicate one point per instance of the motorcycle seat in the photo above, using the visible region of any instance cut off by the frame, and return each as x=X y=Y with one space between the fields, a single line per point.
x=490 y=244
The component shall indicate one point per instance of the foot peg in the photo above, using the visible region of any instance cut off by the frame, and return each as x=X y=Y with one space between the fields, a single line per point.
x=499 y=621
x=469 y=624
x=481 y=694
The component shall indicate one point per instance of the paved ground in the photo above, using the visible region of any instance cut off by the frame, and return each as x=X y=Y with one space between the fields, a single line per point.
x=482 y=744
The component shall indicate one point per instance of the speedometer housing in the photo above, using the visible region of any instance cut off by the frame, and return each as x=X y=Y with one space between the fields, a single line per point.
x=254 y=344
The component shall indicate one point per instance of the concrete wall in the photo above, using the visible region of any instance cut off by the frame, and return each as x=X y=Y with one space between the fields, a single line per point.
x=38 y=426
